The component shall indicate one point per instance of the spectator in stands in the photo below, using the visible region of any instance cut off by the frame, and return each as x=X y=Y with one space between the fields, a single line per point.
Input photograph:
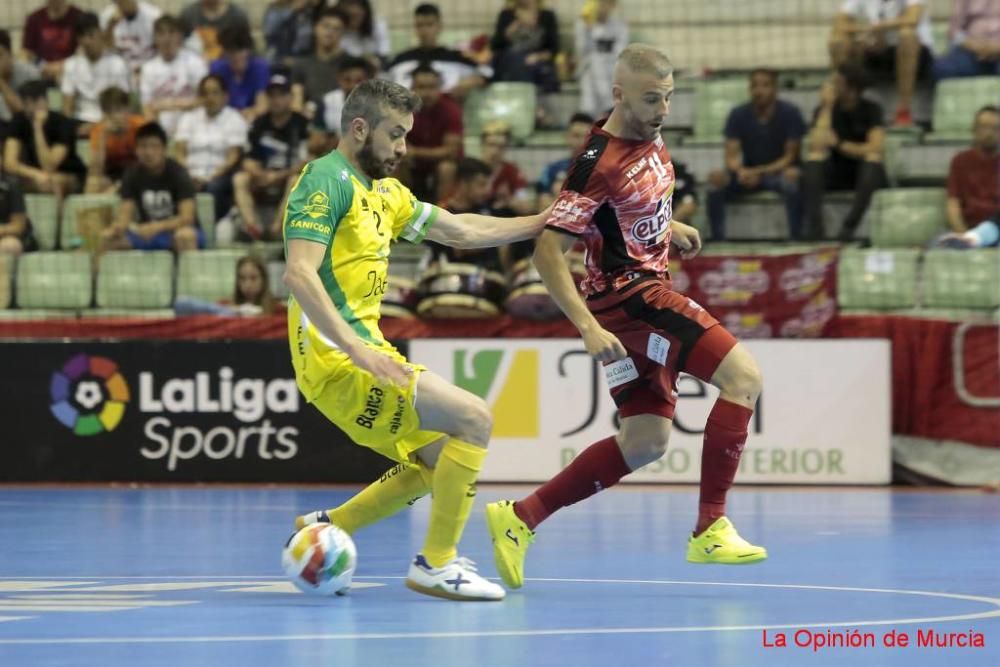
x=129 y=26
x=168 y=84
x=763 y=138
x=685 y=199
x=112 y=142
x=41 y=148
x=326 y=121
x=209 y=143
x=316 y=75
x=974 y=174
x=525 y=43
x=974 y=34
x=367 y=35
x=157 y=211
x=13 y=74
x=472 y=195
x=551 y=181
x=278 y=150
x=508 y=186
x=435 y=143
x=209 y=18
x=288 y=29
x=600 y=36
x=251 y=296
x=887 y=36
x=90 y=72
x=459 y=74
x=49 y=37
x=244 y=74
x=15 y=230
x=845 y=151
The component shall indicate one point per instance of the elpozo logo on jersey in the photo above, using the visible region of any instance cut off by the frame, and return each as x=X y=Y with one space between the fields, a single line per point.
x=90 y=394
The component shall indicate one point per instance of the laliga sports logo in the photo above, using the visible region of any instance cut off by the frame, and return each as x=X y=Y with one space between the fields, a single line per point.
x=89 y=395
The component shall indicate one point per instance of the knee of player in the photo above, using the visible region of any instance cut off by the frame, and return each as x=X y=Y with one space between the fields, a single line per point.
x=747 y=381
x=643 y=451
x=476 y=421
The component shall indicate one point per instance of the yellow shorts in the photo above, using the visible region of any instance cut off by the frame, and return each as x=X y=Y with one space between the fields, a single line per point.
x=380 y=416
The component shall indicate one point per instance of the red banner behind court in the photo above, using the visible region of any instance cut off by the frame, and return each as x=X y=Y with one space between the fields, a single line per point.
x=786 y=296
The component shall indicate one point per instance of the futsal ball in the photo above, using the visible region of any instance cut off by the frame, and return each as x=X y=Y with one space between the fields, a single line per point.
x=320 y=559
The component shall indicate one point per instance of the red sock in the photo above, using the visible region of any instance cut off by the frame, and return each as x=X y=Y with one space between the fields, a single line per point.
x=725 y=436
x=599 y=467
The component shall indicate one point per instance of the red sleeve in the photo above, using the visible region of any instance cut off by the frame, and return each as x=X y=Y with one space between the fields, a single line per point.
x=954 y=176
x=30 y=34
x=583 y=193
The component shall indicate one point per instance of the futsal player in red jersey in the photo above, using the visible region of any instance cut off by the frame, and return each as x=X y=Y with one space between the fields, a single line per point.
x=617 y=199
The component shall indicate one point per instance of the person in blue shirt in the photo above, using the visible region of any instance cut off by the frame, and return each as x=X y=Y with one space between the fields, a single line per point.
x=245 y=74
x=551 y=180
x=763 y=138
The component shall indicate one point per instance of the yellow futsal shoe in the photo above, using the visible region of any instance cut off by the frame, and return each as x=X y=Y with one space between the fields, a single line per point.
x=721 y=544
x=511 y=538
x=319 y=516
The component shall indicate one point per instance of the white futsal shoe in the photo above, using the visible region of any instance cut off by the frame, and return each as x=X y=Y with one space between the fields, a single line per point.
x=456 y=580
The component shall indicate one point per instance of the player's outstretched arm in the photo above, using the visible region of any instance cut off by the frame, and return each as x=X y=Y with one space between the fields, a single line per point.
x=469 y=230
x=550 y=260
x=302 y=279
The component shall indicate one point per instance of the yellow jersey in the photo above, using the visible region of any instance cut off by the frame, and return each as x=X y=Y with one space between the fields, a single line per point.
x=356 y=219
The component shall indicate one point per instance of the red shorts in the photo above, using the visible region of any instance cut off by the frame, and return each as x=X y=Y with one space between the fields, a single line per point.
x=664 y=333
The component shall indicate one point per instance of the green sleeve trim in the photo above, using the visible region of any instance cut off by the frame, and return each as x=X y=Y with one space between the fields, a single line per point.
x=424 y=215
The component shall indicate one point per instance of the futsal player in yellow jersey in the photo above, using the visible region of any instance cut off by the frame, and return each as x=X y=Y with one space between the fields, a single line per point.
x=339 y=220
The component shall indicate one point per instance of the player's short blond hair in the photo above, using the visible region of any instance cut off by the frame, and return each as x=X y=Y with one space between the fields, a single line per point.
x=646 y=59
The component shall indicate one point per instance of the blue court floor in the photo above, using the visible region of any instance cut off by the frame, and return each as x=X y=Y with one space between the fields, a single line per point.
x=191 y=576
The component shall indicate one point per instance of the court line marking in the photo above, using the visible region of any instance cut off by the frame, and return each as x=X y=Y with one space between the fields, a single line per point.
x=994 y=613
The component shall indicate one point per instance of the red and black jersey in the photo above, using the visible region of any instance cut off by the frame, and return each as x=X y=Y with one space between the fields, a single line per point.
x=617 y=199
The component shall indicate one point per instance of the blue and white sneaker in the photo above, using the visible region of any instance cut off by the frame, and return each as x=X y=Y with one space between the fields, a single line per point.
x=457 y=580
x=319 y=516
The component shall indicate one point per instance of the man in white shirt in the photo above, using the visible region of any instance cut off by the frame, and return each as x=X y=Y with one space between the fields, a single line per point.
x=168 y=84
x=128 y=25
x=210 y=142
x=89 y=72
x=887 y=36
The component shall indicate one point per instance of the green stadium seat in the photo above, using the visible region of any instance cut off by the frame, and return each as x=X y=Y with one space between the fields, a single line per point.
x=962 y=278
x=54 y=280
x=907 y=216
x=208 y=274
x=135 y=279
x=511 y=102
x=7 y=262
x=153 y=314
x=877 y=279
x=23 y=314
x=205 y=211
x=956 y=102
x=43 y=212
x=713 y=102
x=73 y=206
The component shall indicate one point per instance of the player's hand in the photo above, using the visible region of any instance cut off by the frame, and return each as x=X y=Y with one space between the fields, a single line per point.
x=603 y=345
x=685 y=237
x=382 y=366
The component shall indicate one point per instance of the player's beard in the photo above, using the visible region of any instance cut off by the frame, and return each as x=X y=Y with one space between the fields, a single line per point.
x=372 y=166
